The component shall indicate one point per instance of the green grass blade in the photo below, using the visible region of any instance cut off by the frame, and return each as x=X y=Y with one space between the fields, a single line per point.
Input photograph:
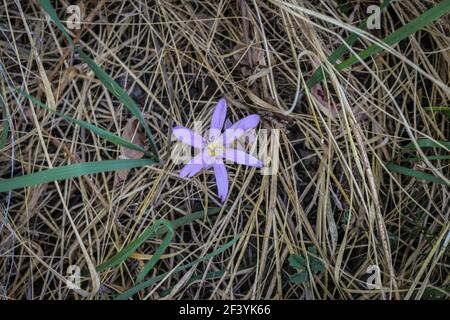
x=428 y=143
x=209 y=276
x=429 y=158
x=414 y=173
x=159 y=228
x=444 y=109
x=189 y=218
x=107 y=81
x=161 y=249
x=129 y=293
x=5 y=129
x=402 y=33
x=123 y=97
x=194 y=216
x=123 y=254
x=98 y=131
x=52 y=13
x=318 y=75
x=5 y=124
x=70 y=171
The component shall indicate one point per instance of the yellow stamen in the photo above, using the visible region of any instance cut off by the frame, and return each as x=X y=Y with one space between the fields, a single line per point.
x=213 y=146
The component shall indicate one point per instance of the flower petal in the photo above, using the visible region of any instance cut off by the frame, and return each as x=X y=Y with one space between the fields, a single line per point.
x=218 y=118
x=189 y=170
x=189 y=137
x=222 y=180
x=247 y=123
x=241 y=157
x=239 y=128
x=192 y=167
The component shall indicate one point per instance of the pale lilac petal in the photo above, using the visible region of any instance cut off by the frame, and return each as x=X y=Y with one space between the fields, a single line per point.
x=218 y=118
x=241 y=157
x=239 y=128
x=189 y=170
x=189 y=137
x=222 y=180
x=247 y=123
x=192 y=167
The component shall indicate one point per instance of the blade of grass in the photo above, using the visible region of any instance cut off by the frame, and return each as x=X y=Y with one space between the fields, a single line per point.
x=402 y=33
x=192 y=217
x=161 y=249
x=129 y=293
x=318 y=75
x=170 y=234
x=414 y=173
x=209 y=276
x=123 y=97
x=5 y=124
x=157 y=229
x=428 y=143
x=5 y=129
x=107 y=81
x=70 y=171
x=123 y=254
x=444 y=109
x=412 y=159
x=98 y=131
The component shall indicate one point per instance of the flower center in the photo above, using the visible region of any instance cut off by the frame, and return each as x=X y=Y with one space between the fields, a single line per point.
x=213 y=146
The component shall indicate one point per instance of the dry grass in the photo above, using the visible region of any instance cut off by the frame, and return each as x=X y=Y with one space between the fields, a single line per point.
x=176 y=59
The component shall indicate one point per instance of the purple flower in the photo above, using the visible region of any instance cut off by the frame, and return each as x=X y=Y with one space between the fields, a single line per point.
x=216 y=147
